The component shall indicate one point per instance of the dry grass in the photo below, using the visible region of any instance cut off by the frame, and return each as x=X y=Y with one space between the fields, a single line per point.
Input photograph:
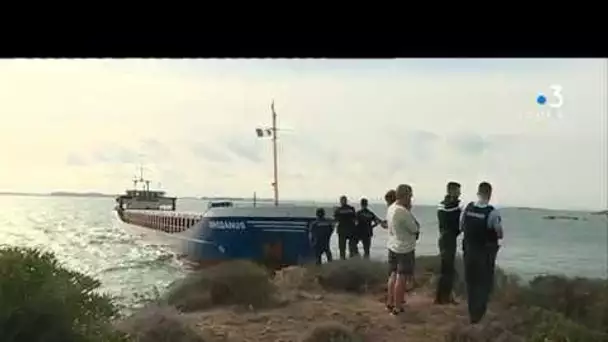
x=159 y=324
x=354 y=275
x=346 y=294
x=331 y=332
x=525 y=324
x=232 y=283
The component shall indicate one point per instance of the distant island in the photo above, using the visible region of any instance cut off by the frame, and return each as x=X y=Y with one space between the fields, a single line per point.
x=79 y=194
x=601 y=212
x=56 y=193
x=561 y=217
x=99 y=194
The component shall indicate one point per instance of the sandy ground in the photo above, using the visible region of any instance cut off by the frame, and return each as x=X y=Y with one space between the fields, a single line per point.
x=301 y=310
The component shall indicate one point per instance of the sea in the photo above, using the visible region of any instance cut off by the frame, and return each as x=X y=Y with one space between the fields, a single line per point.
x=85 y=235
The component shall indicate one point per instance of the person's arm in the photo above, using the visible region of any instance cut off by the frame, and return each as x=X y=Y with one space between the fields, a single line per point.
x=409 y=222
x=376 y=220
x=310 y=229
x=336 y=218
x=495 y=222
x=461 y=221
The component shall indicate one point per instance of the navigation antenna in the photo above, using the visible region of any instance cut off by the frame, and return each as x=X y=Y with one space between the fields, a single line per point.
x=144 y=183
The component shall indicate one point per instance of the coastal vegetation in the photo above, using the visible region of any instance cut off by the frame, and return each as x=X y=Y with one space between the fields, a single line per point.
x=239 y=301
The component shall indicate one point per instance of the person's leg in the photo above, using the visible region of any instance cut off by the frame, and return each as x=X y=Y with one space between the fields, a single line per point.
x=366 y=240
x=487 y=281
x=451 y=268
x=474 y=275
x=446 y=280
x=342 y=246
x=441 y=296
x=404 y=268
x=493 y=252
x=410 y=271
x=328 y=254
x=392 y=277
x=353 y=246
x=318 y=252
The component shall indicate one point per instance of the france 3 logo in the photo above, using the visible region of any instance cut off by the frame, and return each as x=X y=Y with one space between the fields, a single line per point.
x=550 y=105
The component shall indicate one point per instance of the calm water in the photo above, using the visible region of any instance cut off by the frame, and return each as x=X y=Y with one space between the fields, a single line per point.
x=85 y=236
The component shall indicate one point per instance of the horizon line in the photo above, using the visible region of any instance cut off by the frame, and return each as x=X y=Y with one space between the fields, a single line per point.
x=263 y=199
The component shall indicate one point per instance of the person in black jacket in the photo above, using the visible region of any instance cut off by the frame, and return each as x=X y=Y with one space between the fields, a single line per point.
x=482 y=227
x=320 y=235
x=366 y=221
x=345 y=217
x=448 y=215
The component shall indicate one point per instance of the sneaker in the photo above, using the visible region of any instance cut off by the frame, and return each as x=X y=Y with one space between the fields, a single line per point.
x=396 y=311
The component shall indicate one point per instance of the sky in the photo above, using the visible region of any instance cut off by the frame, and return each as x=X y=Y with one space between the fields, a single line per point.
x=353 y=127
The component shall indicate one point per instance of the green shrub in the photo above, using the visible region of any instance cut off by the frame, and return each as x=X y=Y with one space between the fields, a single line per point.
x=42 y=301
x=553 y=326
x=230 y=283
x=158 y=324
x=525 y=324
x=331 y=332
x=584 y=301
x=352 y=275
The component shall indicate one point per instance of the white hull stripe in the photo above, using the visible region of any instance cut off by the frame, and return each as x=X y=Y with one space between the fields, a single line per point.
x=259 y=225
x=279 y=230
x=281 y=223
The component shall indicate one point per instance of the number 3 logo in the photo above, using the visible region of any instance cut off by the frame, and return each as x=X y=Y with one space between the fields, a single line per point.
x=557 y=92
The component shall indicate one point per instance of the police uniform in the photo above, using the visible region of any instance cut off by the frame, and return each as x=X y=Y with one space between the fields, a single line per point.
x=480 y=246
x=320 y=235
x=345 y=215
x=448 y=215
x=366 y=221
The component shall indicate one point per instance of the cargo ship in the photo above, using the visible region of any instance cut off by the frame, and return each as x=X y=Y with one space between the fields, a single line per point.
x=276 y=236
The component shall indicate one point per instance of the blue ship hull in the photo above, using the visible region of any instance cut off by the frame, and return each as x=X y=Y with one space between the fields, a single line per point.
x=276 y=236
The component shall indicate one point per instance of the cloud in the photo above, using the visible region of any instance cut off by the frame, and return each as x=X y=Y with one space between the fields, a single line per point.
x=75 y=160
x=470 y=144
x=244 y=149
x=208 y=153
x=113 y=154
x=355 y=127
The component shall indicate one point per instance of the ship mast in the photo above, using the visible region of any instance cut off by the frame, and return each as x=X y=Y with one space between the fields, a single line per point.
x=272 y=132
x=275 y=184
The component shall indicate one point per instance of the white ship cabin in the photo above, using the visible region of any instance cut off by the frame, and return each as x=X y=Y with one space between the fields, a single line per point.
x=145 y=199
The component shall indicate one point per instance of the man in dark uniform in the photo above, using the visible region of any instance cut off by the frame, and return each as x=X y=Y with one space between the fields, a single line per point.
x=366 y=221
x=345 y=217
x=482 y=227
x=320 y=234
x=448 y=215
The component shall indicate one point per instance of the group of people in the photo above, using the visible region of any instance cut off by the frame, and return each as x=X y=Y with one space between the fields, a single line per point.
x=352 y=227
x=479 y=222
